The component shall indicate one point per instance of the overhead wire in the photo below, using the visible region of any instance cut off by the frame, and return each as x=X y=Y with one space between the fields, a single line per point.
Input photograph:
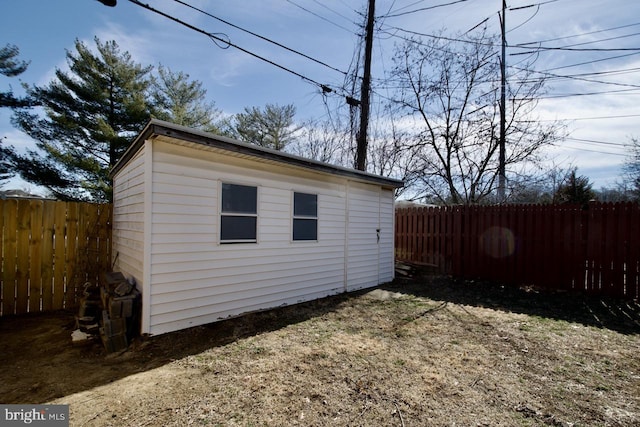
x=452 y=39
x=319 y=16
x=219 y=38
x=394 y=15
x=533 y=5
x=594 y=151
x=213 y=36
x=526 y=21
x=407 y=6
x=591 y=141
x=323 y=5
x=580 y=77
x=581 y=34
x=593 y=61
x=577 y=75
x=621 y=116
x=569 y=95
x=259 y=36
x=523 y=45
x=549 y=48
x=569 y=77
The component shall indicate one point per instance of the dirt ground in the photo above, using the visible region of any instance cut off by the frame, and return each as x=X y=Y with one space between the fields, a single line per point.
x=429 y=352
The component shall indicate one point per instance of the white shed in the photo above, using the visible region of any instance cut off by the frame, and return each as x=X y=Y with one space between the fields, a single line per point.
x=210 y=227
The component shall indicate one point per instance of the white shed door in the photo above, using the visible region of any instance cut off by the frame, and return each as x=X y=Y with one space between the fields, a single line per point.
x=363 y=236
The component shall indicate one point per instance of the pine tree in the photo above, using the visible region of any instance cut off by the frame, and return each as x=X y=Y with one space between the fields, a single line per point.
x=575 y=189
x=92 y=113
x=272 y=127
x=11 y=67
x=178 y=100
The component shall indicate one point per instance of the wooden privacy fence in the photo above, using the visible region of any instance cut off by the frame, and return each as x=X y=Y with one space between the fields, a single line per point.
x=595 y=249
x=49 y=250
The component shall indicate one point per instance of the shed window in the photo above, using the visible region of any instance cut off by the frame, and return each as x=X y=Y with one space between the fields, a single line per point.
x=305 y=216
x=239 y=213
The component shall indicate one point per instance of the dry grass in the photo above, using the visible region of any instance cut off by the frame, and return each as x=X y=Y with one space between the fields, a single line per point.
x=426 y=353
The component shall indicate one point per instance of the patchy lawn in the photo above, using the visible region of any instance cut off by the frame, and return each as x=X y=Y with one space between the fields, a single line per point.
x=426 y=353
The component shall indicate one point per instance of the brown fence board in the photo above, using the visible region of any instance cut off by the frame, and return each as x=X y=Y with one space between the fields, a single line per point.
x=10 y=212
x=58 y=256
x=35 y=255
x=47 y=258
x=22 y=257
x=70 y=260
x=48 y=252
x=104 y=236
x=594 y=250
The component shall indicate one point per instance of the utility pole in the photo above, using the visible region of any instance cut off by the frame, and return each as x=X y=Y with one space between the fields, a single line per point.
x=361 y=149
x=502 y=179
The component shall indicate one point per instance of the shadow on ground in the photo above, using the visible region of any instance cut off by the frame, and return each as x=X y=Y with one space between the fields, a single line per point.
x=619 y=315
x=40 y=363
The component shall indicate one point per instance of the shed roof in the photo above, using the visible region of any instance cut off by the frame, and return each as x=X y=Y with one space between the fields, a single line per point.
x=158 y=128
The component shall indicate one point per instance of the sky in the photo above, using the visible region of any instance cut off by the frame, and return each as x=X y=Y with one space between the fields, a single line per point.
x=597 y=94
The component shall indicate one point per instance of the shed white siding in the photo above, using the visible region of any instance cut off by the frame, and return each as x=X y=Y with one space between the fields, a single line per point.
x=167 y=234
x=128 y=218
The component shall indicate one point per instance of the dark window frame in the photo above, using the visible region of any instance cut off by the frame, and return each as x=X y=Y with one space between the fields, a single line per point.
x=234 y=211
x=304 y=212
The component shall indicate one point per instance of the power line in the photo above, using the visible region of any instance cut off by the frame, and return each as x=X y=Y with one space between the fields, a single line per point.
x=407 y=6
x=581 y=34
x=533 y=5
x=433 y=36
x=558 y=76
x=568 y=95
x=591 y=141
x=595 y=73
x=595 y=151
x=214 y=37
x=610 y=73
x=621 y=116
x=522 y=45
x=335 y=11
x=394 y=15
x=593 y=61
x=320 y=16
x=526 y=21
x=549 y=48
x=260 y=37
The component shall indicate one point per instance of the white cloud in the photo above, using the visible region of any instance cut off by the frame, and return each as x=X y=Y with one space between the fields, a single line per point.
x=17 y=139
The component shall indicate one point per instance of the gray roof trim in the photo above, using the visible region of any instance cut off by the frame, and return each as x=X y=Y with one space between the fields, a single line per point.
x=159 y=127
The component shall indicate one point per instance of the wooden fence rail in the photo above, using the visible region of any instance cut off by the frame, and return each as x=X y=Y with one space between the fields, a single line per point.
x=595 y=249
x=49 y=250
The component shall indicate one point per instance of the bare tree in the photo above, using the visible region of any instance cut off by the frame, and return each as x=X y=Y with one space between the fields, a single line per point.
x=540 y=185
x=320 y=140
x=632 y=171
x=447 y=94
